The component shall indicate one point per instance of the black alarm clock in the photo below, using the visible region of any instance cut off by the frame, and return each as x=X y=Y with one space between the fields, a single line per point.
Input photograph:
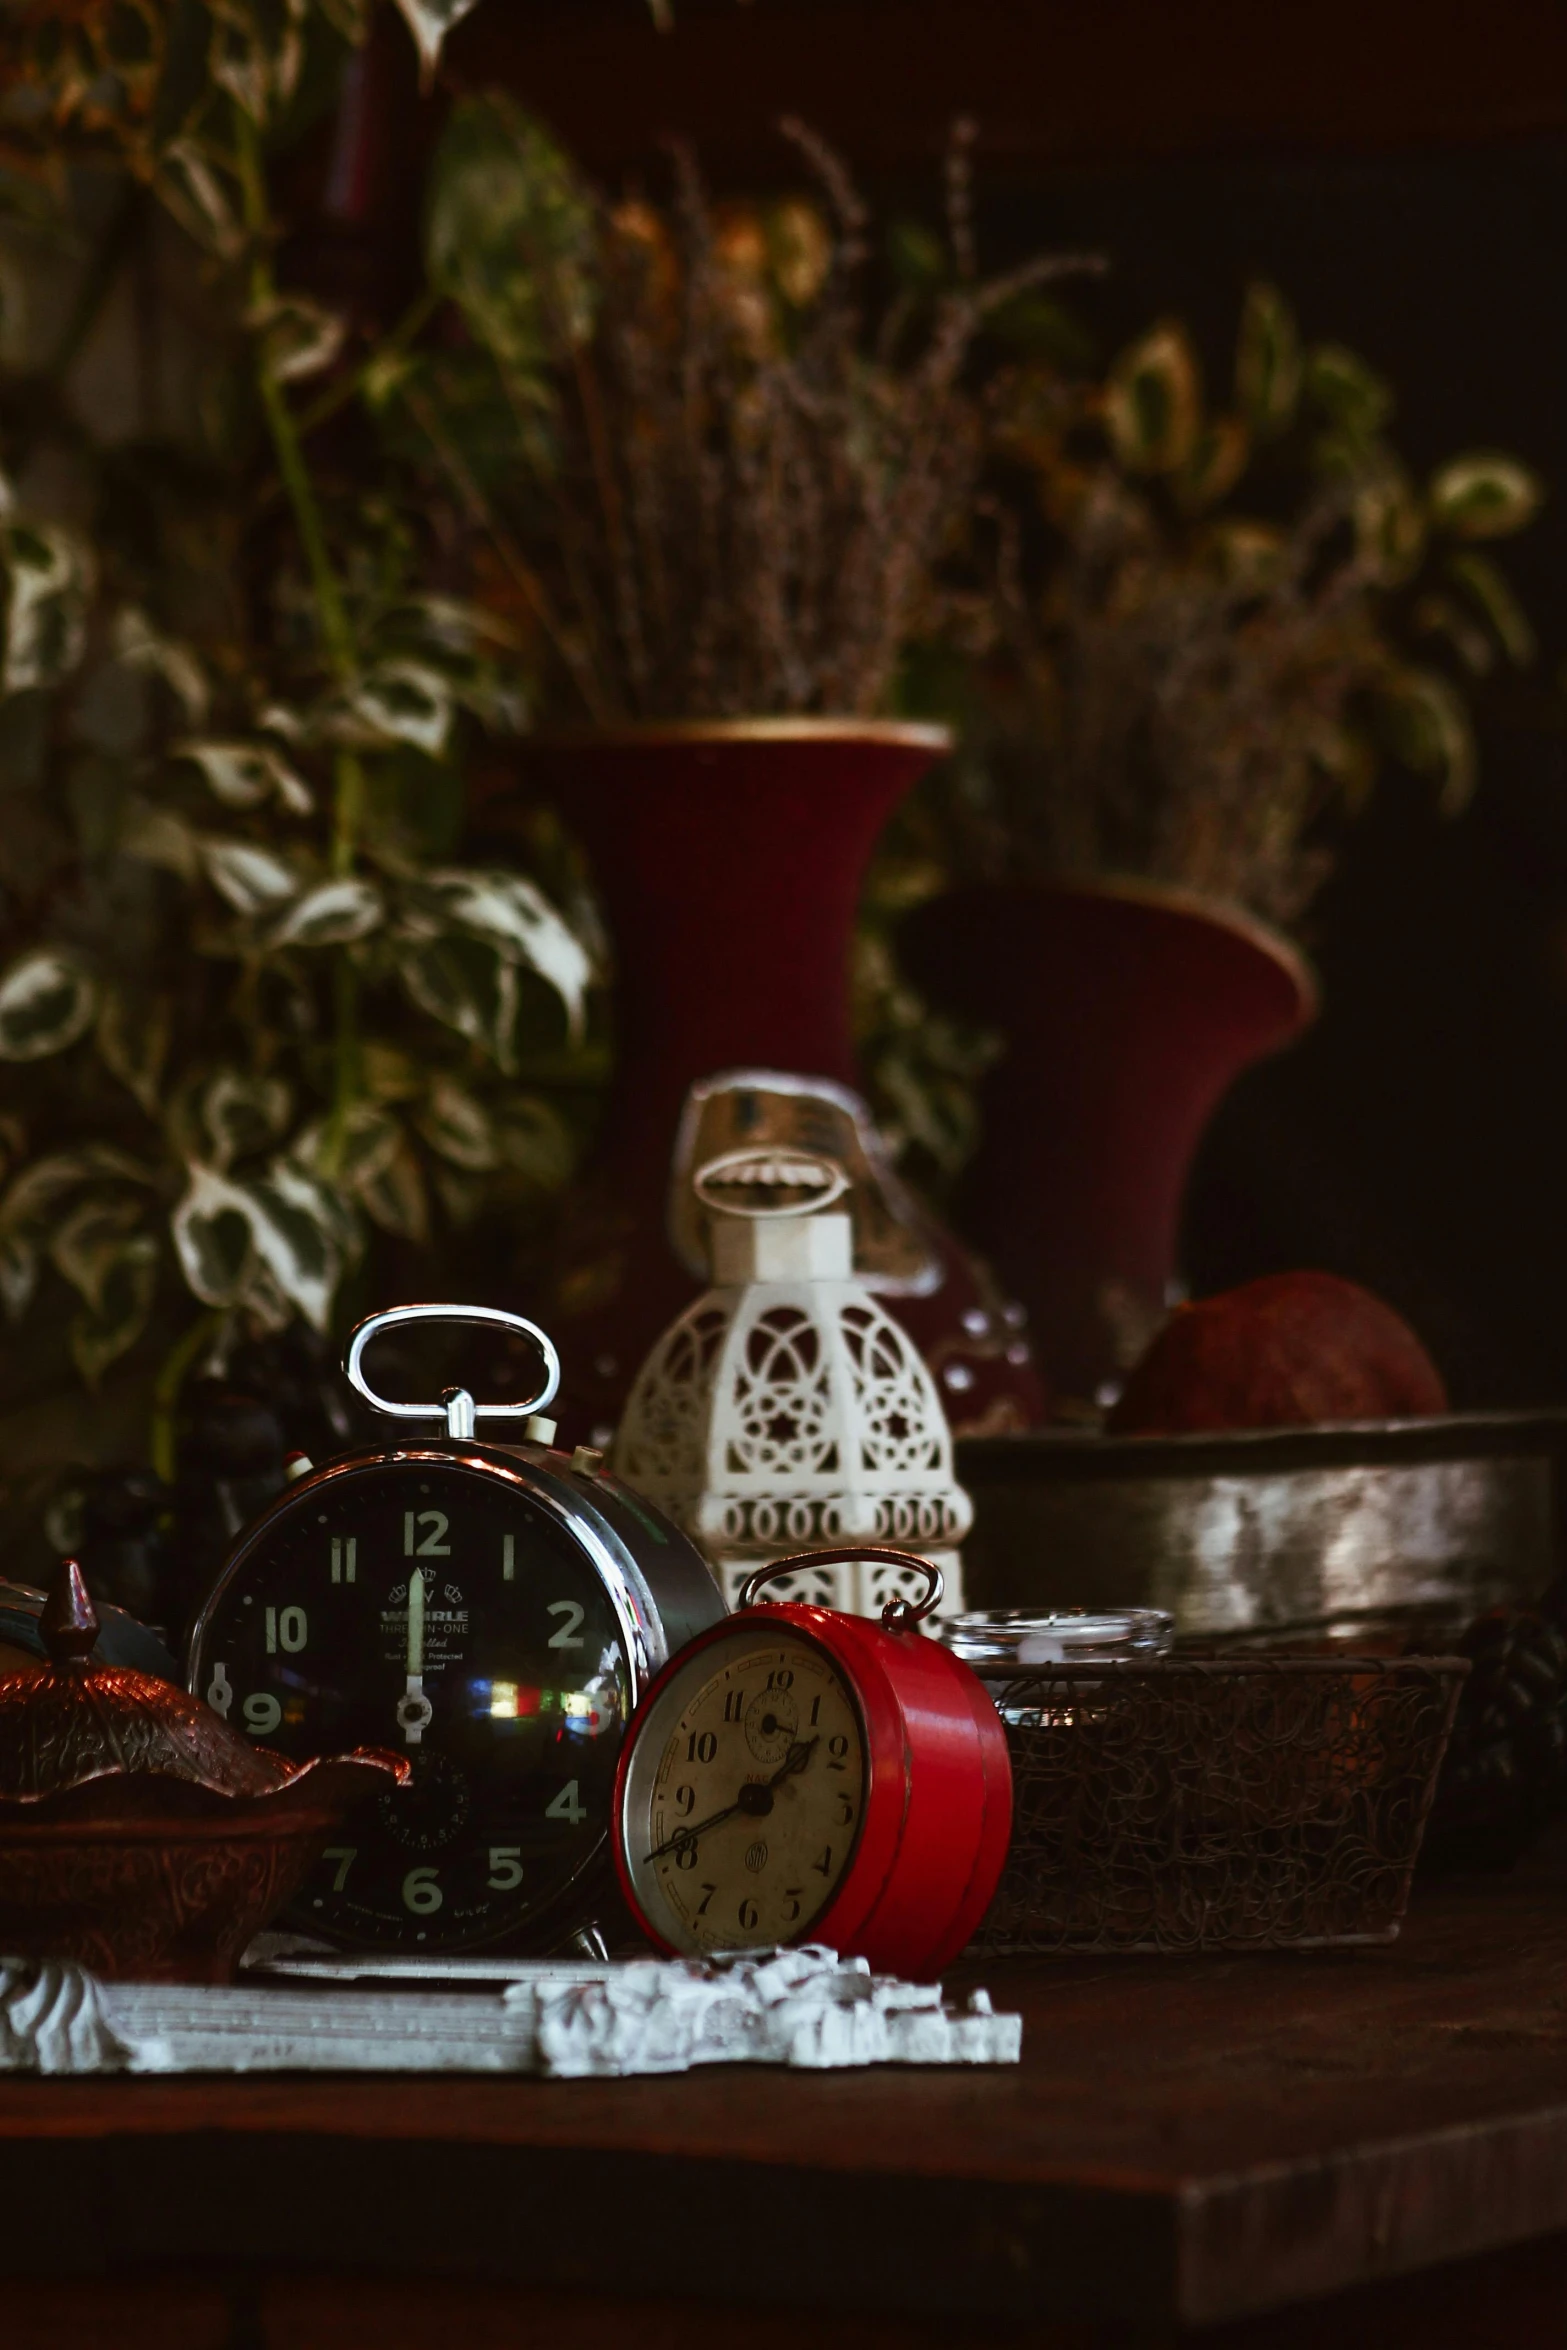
x=492 y=1613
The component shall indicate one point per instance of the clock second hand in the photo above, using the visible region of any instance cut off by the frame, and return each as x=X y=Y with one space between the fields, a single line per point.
x=797 y=1758
x=414 y=1710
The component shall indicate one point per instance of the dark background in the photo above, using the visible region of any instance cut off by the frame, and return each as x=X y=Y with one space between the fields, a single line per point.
x=1401 y=172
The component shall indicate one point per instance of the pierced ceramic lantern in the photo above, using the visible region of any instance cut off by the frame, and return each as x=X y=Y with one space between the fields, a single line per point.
x=785 y=1410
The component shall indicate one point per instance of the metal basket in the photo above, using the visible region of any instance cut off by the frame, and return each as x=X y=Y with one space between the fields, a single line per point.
x=1240 y=1803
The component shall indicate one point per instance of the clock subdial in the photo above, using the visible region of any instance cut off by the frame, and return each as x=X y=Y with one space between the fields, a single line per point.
x=755 y=1809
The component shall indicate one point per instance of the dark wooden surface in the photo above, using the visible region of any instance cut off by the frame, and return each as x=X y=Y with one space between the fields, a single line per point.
x=1188 y=2143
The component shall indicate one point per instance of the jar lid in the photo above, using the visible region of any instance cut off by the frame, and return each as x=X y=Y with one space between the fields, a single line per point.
x=77 y=1720
x=1000 y=1642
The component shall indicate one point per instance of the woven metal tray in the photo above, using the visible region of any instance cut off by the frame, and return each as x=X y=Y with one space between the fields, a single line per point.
x=1234 y=1803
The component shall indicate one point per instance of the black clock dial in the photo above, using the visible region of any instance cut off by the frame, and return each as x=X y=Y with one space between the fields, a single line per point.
x=439 y=1610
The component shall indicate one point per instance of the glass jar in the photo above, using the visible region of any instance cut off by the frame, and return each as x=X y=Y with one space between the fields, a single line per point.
x=1005 y=1646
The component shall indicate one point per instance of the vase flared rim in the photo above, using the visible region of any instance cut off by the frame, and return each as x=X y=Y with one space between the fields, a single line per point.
x=1175 y=897
x=897 y=733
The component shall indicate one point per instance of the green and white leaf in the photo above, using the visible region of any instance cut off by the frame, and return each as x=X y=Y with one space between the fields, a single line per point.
x=512 y=238
x=21 y=1262
x=36 y=1195
x=286 y=1221
x=46 y=574
x=85 y=1244
x=242 y=775
x=399 y=702
x=133 y=1041
x=241 y=1113
x=140 y=646
x=47 y=1001
x=1267 y=362
x=109 y=1328
x=254 y=880
x=256 y=52
x=395 y=1197
x=194 y=189
x=332 y=914
x=508 y=912
x=352 y=1152
x=1491 y=594
x=458 y=1127
x=1351 y=395
x=430 y=21
x=1484 y=495
x=297 y=338
x=468 y=987
x=535 y=1141
x=1153 y=401
x=1426 y=721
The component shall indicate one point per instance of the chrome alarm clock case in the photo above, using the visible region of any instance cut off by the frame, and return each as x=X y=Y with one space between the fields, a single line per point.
x=492 y=1612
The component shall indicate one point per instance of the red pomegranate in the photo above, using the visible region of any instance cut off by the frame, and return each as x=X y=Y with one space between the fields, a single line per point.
x=1280 y=1353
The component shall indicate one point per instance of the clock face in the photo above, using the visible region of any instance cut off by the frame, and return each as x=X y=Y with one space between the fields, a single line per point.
x=744 y=1796
x=439 y=1610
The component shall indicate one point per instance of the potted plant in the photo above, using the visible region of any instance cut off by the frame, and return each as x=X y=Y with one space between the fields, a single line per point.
x=1207 y=629
x=714 y=492
x=261 y=1020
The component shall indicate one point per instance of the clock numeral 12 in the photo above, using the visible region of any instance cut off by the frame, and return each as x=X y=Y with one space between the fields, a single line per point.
x=345 y=1559
x=432 y=1542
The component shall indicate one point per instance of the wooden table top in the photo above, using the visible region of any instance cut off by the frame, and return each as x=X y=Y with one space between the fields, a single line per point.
x=1186 y=2140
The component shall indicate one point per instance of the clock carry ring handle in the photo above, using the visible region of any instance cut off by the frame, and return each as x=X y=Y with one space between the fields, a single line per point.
x=896 y=1616
x=456 y=1406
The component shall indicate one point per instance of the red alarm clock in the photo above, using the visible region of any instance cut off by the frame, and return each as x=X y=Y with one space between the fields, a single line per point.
x=796 y=1775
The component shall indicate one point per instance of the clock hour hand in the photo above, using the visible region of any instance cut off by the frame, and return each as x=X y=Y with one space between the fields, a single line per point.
x=414 y=1710
x=750 y=1799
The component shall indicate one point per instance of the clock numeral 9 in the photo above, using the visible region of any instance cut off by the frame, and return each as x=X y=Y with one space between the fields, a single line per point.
x=685 y=1801
x=421 y=1893
x=288 y=1629
x=505 y=1867
x=262 y=1712
x=748 y=1913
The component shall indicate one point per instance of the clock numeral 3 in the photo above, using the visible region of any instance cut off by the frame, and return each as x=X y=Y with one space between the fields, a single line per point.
x=432 y=1542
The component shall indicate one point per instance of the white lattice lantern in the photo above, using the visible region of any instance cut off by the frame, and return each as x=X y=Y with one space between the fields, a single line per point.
x=786 y=1410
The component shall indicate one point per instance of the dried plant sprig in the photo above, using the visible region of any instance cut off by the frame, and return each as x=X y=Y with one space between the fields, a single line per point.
x=1191 y=689
x=737 y=494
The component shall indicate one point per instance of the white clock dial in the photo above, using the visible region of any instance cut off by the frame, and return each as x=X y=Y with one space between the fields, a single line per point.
x=743 y=1816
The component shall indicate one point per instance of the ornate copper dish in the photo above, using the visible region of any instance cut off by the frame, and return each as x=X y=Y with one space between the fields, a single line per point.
x=139 y=1834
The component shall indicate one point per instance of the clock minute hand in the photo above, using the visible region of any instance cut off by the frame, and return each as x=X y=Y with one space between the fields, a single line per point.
x=796 y=1759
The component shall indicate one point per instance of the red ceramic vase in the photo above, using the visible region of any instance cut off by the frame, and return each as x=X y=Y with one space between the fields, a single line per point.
x=730 y=857
x=1129 y=1009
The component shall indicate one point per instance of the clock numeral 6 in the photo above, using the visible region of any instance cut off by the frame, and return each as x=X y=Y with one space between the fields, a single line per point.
x=748 y=1913
x=421 y=1893
x=262 y=1712
x=505 y=1867
x=567 y=1805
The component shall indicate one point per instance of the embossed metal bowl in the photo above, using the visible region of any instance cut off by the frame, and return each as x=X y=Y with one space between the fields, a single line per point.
x=1353 y=1529
x=139 y=1834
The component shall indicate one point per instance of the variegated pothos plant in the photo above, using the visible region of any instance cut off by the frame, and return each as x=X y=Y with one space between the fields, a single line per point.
x=251 y=1006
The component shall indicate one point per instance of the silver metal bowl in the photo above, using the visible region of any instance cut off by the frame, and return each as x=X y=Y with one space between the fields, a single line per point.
x=1421 y=1522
